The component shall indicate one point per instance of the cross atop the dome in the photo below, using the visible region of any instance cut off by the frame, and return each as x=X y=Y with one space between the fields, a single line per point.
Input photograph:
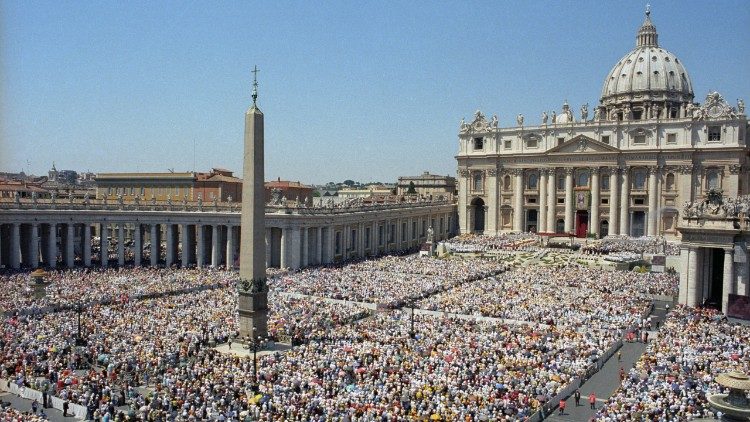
x=255 y=84
x=648 y=10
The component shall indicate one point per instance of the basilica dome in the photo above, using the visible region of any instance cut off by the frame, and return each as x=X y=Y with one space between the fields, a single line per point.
x=647 y=74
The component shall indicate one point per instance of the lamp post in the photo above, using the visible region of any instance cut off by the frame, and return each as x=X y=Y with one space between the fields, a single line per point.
x=254 y=343
x=411 y=332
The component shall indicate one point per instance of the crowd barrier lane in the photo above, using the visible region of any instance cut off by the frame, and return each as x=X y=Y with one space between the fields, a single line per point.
x=76 y=410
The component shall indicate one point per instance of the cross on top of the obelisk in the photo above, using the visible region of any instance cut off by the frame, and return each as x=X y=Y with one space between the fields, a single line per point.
x=255 y=84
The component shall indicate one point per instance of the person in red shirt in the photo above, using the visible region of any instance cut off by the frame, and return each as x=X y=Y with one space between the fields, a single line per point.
x=562 y=406
x=592 y=400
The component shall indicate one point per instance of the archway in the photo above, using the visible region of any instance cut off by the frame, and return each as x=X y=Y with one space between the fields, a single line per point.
x=477 y=206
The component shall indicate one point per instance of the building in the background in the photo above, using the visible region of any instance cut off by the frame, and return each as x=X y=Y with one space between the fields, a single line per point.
x=284 y=190
x=24 y=189
x=427 y=184
x=218 y=184
x=627 y=168
x=365 y=191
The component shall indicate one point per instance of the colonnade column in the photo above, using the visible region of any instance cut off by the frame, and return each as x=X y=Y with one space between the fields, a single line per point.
x=684 y=271
x=319 y=246
x=569 y=200
x=625 y=202
x=614 y=199
x=155 y=243
x=170 y=244
x=121 y=244
x=594 y=226
x=304 y=238
x=294 y=256
x=104 y=244
x=200 y=255
x=69 y=252
x=283 y=261
x=34 y=245
x=728 y=281
x=138 y=244
x=185 y=258
x=518 y=213
x=15 y=245
x=86 y=245
x=551 y=201
x=215 y=249
x=230 y=247
x=51 y=246
x=542 y=215
x=652 y=200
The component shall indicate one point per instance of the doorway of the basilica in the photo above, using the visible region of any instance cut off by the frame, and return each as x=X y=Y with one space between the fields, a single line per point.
x=582 y=223
x=531 y=221
x=478 y=213
x=638 y=227
x=604 y=231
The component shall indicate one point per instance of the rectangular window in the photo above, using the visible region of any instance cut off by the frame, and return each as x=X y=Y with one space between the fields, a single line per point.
x=531 y=143
x=714 y=134
x=478 y=143
x=560 y=200
x=605 y=139
x=507 y=144
x=671 y=138
x=639 y=139
x=561 y=183
x=532 y=200
x=560 y=140
x=638 y=201
x=605 y=183
x=605 y=201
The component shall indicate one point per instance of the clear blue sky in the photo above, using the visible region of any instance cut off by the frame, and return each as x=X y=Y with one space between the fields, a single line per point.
x=350 y=90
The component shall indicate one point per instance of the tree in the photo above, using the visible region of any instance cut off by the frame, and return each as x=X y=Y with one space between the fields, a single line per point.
x=349 y=182
x=411 y=190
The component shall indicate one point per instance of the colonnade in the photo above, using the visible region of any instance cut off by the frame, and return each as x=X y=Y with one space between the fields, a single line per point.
x=34 y=238
x=711 y=274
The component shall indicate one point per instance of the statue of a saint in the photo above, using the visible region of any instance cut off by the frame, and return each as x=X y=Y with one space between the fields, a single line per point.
x=741 y=106
x=545 y=117
x=519 y=119
x=494 y=121
x=554 y=116
x=584 y=112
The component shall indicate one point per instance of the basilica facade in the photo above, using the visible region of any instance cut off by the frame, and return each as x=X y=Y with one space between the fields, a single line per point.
x=627 y=166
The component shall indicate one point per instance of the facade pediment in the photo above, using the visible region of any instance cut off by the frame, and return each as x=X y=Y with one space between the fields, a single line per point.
x=582 y=144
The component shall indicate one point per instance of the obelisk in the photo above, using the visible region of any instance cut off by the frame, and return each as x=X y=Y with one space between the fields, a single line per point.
x=252 y=288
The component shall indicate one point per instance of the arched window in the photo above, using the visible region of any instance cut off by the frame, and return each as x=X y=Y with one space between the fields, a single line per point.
x=713 y=180
x=582 y=179
x=670 y=181
x=478 y=181
x=532 y=181
x=639 y=180
x=506 y=182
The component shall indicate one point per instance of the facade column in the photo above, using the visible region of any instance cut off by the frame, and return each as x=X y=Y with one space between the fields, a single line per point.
x=551 y=201
x=215 y=246
x=305 y=239
x=729 y=282
x=693 y=290
x=34 y=247
x=200 y=255
x=652 y=200
x=230 y=247
x=283 y=259
x=518 y=214
x=625 y=202
x=685 y=182
x=319 y=246
x=492 y=202
x=138 y=244
x=104 y=244
x=86 y=245
x=121 y=244
x=595 y=201
x=463 y=193
x=614 y=199
x=542 y=215
x=155 y=243
x=70 y=255
x=15 y=245
x=569 y=199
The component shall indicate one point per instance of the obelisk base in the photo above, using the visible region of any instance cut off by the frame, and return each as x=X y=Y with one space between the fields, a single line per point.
x=253 y=314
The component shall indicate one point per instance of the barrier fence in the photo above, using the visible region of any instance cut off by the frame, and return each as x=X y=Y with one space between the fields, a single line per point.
x=76 y=410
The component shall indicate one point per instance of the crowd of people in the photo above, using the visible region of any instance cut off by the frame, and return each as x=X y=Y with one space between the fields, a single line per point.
x=672 y=379
x=634 y=245
x=468 y=243
x=570 y=295
x=71 y=287
x=389 y=281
